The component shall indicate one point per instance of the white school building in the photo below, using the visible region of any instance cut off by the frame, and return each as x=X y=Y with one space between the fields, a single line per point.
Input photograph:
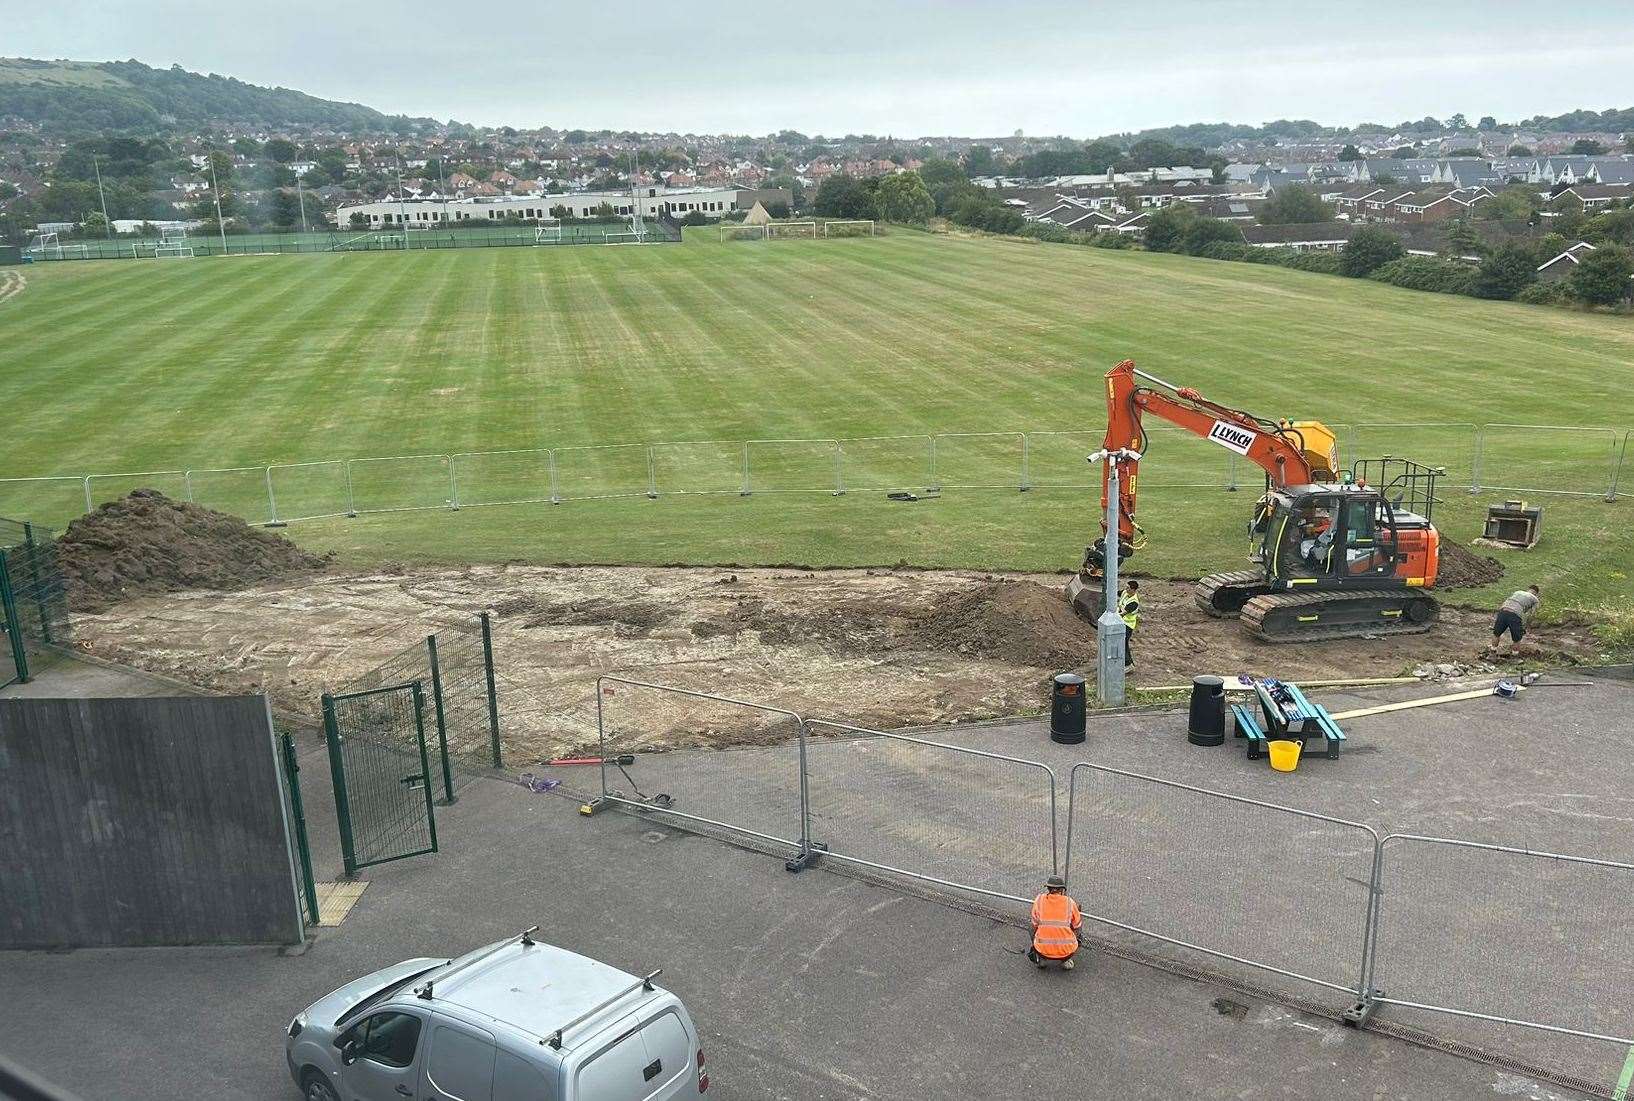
x=712 y=202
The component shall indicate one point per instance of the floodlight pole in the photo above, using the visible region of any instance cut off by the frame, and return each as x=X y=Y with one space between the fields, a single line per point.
x=1109 y=627
x=221 y=223
x=402 y=213
x=107 y=226
x=300 y=197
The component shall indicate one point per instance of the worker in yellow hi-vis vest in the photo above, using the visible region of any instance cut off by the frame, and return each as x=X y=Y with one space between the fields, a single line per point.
x=1129 y=612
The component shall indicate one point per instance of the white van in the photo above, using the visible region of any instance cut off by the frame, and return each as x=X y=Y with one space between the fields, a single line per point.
x=515 y=1021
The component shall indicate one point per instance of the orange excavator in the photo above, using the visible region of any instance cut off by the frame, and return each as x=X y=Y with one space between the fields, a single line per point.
x=1337 y=554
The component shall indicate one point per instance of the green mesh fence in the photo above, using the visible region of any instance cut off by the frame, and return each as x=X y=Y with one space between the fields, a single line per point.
x=33 y=600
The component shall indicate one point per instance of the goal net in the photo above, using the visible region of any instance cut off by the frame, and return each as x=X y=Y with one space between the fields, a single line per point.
x=783 y=231
x=630 y=238
x=741 y=232
x=547 y=232
x=173 y=244
x=45 y=245
x=858 y=228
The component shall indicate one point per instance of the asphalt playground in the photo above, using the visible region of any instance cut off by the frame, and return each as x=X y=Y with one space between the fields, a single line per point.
x=837 y=983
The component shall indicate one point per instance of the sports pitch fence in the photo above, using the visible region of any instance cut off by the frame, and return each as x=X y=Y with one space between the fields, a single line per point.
x=1537 y=459
x=1321 y=909
x=357 y=240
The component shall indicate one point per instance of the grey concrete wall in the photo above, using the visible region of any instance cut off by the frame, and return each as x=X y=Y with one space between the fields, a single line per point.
x=142 y=822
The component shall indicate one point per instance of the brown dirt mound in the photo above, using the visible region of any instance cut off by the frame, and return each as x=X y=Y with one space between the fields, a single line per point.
x=146 y=543
x=1020 y=622
x=1462 y=568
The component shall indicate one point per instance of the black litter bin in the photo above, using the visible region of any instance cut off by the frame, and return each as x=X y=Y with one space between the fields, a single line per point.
x=1067 y=709
x=1206 y=725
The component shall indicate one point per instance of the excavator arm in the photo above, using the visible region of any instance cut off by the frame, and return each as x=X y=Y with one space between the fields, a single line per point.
x=1279 y=449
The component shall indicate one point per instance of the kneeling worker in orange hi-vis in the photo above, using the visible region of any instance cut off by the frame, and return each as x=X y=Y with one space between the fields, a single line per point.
x=1056 y=924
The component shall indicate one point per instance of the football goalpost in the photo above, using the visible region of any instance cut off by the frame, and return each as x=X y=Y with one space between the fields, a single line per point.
x=548 y=232
x=784 y=231
x=173 y=244
x=742 y=231
x=45 y=245
x=862 y=227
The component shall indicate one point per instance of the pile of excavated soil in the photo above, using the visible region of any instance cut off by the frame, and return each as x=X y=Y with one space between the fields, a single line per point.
x=147 y=543
x=1020 y=622
x=1462 y=568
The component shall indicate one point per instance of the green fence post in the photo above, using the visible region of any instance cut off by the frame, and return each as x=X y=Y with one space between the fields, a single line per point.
x=36 y=581
x=337 y=771
x=425 y=761
x=292 y=769
x=14 y=627
x=493 y=695
x=442 y=721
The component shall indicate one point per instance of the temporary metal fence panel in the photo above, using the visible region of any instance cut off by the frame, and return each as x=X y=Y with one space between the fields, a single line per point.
x=307 y=491
x=237 y=490
x=613 y=470
x=1531 y=458
x=101 y=488
x=403 y=483
x=1449 y=445
x=977 y=460
x=794 y=466
x=958 y=817
x=54 y=500
x=1505 y=936
x=519 y=477
x=1060 y=460
x=382 y=774
x=1279 y=890
x=886 y=463
x=756 y=793
x=708 y=466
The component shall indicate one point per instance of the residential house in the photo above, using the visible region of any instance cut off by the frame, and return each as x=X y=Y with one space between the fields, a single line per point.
x=1562 y=266
x=1435 y=204
x=1307 y=237
x=1598 y=196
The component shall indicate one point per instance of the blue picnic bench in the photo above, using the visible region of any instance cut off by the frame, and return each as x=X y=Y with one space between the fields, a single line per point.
x=1292 y=717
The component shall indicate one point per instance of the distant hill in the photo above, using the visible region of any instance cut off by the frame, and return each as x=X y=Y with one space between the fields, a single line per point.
x=74 y=97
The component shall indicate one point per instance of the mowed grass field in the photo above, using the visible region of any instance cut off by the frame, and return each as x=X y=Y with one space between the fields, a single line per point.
x=210 y=363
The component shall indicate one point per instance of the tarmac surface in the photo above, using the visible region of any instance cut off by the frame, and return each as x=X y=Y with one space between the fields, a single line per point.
x=817 y=985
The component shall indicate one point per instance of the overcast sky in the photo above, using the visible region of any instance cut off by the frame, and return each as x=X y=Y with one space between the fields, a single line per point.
x=902 y=67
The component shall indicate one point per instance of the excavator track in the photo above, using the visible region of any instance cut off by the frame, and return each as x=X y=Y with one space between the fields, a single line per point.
x=1311 y=617
x=1223 y=595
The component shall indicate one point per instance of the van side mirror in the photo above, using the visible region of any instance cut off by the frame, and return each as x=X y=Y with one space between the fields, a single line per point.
x=348 y=1053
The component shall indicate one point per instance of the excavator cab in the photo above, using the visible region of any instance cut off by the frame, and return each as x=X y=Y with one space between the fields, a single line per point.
x=1333 y=535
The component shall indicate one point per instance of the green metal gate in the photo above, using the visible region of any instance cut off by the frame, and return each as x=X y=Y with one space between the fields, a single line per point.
x=33 y=600
x=297 y=813
x=382 y=774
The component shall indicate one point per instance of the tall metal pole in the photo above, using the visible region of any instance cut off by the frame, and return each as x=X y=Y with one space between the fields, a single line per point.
x=107 y=224
x=221 y=223
x=1109 y=628
x=300 y=197
x=402 y=215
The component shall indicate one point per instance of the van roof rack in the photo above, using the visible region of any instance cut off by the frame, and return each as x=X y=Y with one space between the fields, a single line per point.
x=554 y=1041
x=424 y=991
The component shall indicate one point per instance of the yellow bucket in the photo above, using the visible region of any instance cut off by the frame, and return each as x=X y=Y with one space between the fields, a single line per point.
x=1284 y=754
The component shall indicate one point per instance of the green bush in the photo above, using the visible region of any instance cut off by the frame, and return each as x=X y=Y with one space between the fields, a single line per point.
x=1253 y=255
x=1544 y=294
x=1112 y=240
x=1326 y=263
x=1368 y=249
x=1426 y=273
x=1225 y=250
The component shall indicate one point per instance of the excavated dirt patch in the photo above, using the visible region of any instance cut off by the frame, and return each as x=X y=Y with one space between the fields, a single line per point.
x=876 y=648
x=147 y=543
x=1462 y=568
x=1020 y=622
